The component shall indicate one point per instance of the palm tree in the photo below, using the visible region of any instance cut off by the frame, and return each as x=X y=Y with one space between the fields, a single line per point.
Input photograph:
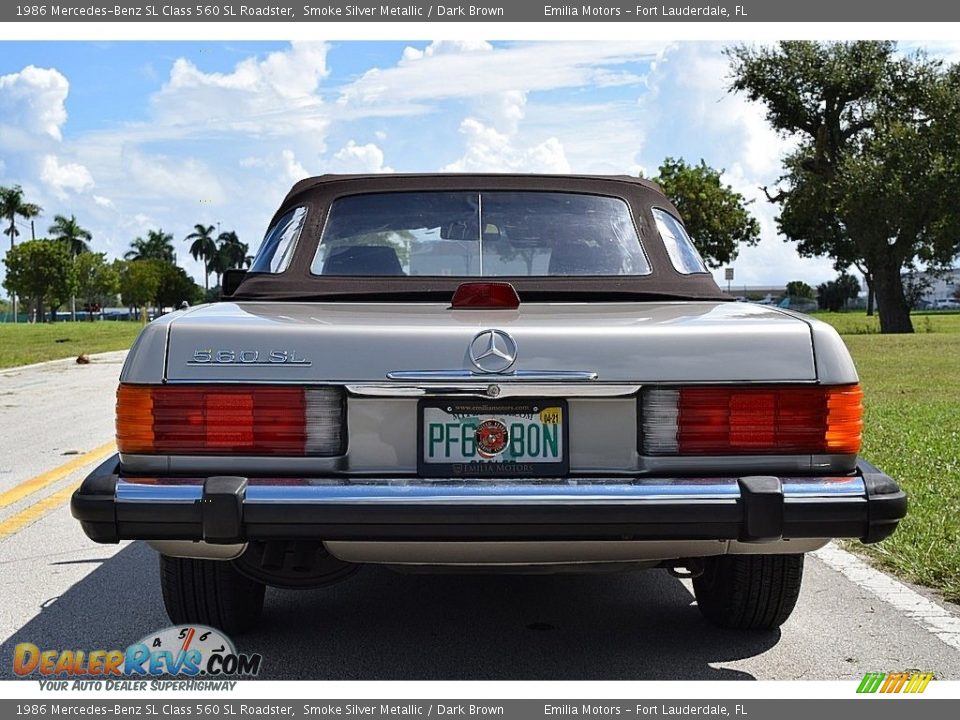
x=157 y=246
x=205 y=247
x=11 y=207
x=231 y=253
x=68 y=230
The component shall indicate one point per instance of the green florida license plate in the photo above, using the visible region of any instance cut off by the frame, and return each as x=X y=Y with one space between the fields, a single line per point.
x=496 y=438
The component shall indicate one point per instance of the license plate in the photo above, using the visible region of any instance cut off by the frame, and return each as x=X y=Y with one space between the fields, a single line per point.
x=493 y=439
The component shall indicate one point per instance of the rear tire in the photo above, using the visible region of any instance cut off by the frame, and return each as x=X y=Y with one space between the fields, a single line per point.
x=210 y=592
x=749 y=592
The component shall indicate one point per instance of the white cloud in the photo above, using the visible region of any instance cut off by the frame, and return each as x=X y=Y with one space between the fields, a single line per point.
x=103 y=201
x=488 y=150
x=293 y=170
x=354 y=158
x=32 y=102
x=168 y=177
x=273 y=96
x=463 y=70
x=61 y=177
x=445 y=47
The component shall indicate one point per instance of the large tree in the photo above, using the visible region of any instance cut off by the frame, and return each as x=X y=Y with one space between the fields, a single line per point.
x=715 y=215
x=68 y=230
x=12 y=206
x=874 y=177
x=98 y=281
x=231 y=253
x=40 y=271
x=175 y=287
x=204 y=247
x=835 y=294
x=158 y=245
x=139 y=282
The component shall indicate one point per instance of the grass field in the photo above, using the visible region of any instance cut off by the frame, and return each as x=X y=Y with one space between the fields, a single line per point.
x=23 y=344
x=911 y=387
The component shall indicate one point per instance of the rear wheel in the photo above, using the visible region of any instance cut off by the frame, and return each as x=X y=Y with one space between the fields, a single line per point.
x=210 y=592
x=749 y=592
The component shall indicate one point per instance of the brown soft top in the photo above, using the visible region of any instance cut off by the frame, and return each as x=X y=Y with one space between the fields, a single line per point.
x=318 y=193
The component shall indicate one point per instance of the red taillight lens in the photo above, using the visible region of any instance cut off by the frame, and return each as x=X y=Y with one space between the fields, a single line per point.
x=752 y=420
x=212 y=420
x=485 y=295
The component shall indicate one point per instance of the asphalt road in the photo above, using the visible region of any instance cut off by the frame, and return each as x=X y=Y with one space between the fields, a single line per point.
x=59 y=590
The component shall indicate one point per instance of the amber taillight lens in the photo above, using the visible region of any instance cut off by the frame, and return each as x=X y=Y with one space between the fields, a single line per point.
x=760 y=420
x=226 y=419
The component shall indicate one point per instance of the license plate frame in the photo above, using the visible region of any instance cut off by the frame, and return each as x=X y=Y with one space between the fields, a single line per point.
x=491 y=469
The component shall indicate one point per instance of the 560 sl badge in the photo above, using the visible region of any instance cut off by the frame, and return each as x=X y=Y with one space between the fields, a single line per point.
x=210 y=356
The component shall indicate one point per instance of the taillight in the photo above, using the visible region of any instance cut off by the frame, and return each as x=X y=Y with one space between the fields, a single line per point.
x=236 y=420
x=761 y=420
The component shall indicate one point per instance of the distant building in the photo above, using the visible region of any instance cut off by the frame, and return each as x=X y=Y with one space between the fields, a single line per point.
x=941 y=286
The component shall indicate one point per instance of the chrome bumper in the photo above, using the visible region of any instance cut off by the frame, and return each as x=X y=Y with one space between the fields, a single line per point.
x=867 y=505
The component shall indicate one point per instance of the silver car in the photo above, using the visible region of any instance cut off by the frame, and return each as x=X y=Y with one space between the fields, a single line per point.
x=460 y=372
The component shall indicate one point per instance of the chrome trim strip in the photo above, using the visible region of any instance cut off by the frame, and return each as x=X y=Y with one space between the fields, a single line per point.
x=142 y=492
x=517 y=375
x=482 y=387
x=721 y=491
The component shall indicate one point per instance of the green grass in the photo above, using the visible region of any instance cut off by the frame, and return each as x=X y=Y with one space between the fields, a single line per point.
x=857 y=323
x=23 y=344
x=911 y=387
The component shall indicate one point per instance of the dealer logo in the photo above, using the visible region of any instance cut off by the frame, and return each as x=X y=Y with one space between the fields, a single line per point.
x=193 y=651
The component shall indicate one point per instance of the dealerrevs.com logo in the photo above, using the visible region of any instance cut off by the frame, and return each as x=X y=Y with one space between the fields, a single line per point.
x=197 y=653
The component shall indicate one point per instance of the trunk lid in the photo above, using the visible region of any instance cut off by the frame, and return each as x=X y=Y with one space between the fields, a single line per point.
x=342 y=342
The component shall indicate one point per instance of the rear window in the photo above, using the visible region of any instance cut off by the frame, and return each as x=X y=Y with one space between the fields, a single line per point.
x=479 y=234
x=278 y=244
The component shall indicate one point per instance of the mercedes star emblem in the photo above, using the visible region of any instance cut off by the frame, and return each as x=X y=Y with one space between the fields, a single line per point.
x=493 y=351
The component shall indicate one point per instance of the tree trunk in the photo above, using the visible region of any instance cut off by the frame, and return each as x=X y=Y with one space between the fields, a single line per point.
x=870 y=296
x=891 y=303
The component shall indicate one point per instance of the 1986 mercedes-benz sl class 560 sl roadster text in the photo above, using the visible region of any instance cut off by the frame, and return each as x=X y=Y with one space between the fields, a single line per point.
x=493 y=372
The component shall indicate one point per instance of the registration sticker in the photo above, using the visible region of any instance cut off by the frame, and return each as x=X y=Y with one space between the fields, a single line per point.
x=507 y=438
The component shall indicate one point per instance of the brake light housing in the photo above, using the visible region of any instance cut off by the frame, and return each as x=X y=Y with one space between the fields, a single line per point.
x=752 y=420
x=485 y=296
x=230 y=420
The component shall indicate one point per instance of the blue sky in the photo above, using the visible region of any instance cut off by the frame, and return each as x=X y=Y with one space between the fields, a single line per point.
x=131 y=136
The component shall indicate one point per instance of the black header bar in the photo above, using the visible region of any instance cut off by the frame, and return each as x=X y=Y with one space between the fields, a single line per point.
x=320 y=11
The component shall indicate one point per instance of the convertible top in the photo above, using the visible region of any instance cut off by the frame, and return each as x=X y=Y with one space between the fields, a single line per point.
x=317 y=194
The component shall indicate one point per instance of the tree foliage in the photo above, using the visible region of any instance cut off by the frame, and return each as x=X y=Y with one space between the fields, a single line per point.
x=98 y=281
x=40 y=271
x=876 y=170
x=203 y=247
x=68 y=230
x=12 y=206
x=175 y=287
x=715 y=215
x=799 y=289
x=139 y=281
x=158 y=245
x=834 y=294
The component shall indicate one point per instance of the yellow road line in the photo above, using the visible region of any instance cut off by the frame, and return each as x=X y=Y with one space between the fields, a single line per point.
x=28 y=487
x=36 y=511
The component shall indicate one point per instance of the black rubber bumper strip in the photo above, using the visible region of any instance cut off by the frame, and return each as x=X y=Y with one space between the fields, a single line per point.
x=223 y=515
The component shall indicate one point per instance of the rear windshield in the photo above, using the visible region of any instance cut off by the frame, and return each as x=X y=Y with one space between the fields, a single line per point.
x=479 y=234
